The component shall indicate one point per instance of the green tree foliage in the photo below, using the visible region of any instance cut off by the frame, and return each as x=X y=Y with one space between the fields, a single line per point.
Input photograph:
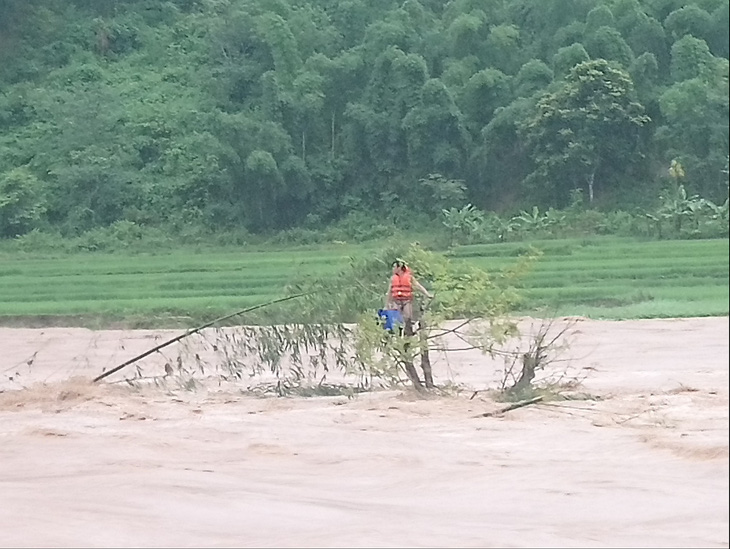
x=691 y=58
x=267 y=183
x=720 y=38
x=568 y=57
x=467 y=33
x=532 y=77
x=22 y=202
x=689 y=20
x=607 y=43
x=437 y=193
x=482 y=94
x=504 y=48
x=646 y=76
x=693 y=133
x=573 y=33
x=645 y=34
x=600 y=16
x=481 y=299
x=500 y=156
x=541 y=22
x=265 y=113
x=589 y=123
x=435 y=132
x=275 y=32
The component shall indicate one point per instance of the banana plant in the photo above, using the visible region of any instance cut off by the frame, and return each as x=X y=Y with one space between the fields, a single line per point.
x=462 y=223
x=534 y=221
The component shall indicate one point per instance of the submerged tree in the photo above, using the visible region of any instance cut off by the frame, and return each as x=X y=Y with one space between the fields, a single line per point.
x=331 y=331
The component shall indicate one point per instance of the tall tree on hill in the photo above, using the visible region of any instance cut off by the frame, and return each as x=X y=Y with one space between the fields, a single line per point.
x=435 y=132
x=377 y=146
x=483 y=93
x=568 y=57
x=585 y=134
x=607 y=43
x=645 y=34
x=695 y=116
x=689 y=20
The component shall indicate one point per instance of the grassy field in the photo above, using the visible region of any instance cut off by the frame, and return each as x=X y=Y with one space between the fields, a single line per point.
x=606 y=278
x=619 y=278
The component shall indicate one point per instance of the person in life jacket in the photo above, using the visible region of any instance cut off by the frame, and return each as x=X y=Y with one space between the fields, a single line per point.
x=400 y=291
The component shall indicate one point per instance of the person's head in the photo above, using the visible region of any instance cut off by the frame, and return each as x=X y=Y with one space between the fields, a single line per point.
x=399 y=265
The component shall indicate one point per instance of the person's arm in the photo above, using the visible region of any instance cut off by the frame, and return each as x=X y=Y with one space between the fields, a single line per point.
x=421 y=289
x=387 y=296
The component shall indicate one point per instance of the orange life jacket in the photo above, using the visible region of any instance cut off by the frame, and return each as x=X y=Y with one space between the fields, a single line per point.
x=401 y=286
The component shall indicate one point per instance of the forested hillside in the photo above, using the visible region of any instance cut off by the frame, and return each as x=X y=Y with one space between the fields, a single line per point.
x=268 y=114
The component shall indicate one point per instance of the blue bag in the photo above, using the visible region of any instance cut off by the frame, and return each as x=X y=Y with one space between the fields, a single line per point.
x=390 y=318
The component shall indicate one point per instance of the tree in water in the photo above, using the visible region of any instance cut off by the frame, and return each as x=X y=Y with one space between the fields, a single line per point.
x=334 y=328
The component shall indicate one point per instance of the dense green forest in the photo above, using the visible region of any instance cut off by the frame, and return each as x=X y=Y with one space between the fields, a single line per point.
x=272 y=114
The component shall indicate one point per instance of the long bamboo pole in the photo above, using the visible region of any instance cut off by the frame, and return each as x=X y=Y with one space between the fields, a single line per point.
x=195 y=330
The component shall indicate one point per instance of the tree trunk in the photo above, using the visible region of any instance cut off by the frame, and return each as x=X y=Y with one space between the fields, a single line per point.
x=333 y=135
x=591 y=179
x=408 y=364
x=413 y=375
x=529 y=363
x=425 y=358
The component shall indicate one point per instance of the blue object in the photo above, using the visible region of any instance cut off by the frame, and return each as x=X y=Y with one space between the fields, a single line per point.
x=390 y=318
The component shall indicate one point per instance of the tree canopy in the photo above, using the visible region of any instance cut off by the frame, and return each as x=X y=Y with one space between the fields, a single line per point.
x=268 y=114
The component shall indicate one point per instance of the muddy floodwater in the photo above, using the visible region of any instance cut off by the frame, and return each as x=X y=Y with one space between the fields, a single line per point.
x=642 y=461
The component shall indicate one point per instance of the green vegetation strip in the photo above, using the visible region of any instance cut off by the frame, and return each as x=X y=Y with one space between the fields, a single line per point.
x=598 y=278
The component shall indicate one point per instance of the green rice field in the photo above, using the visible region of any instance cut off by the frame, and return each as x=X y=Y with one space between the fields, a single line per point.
x=607 y=278
x=620 y=278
